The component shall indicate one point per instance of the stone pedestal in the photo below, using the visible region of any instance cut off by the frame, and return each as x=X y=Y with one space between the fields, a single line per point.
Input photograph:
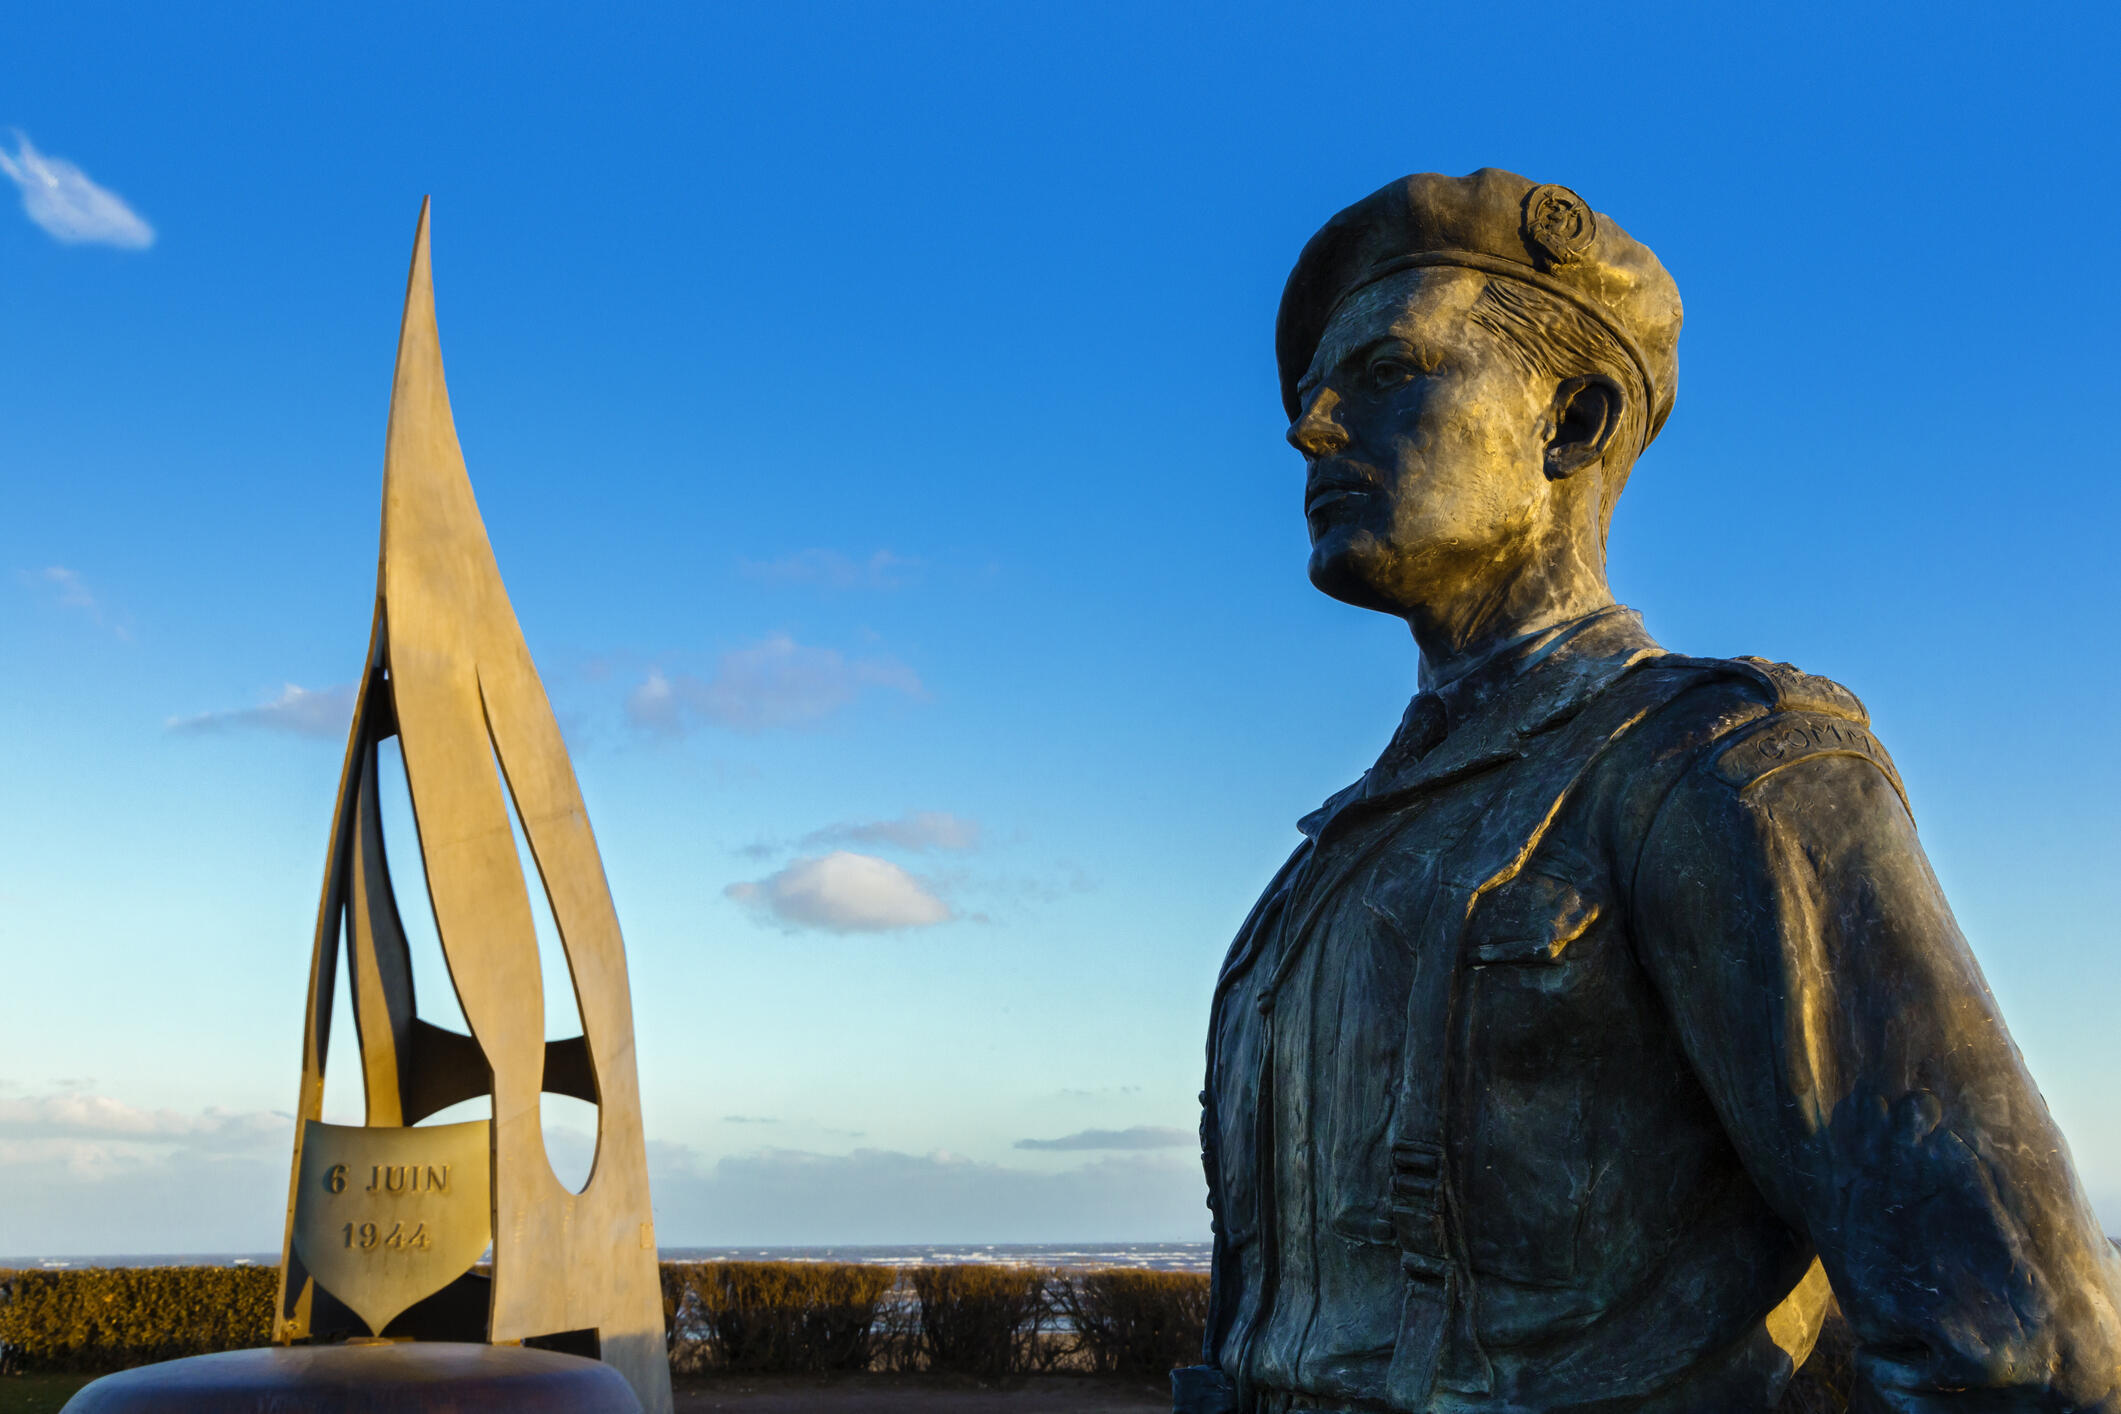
x=428 y=1377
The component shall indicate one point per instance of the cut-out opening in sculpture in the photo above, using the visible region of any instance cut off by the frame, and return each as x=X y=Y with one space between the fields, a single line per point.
x=345 y=1087
x=571 y=1123
x=438 y=1005
x=478 y=1107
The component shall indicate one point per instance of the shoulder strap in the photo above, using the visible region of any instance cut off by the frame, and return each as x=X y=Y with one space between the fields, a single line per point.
x=1787 y=689
x=1808 y=717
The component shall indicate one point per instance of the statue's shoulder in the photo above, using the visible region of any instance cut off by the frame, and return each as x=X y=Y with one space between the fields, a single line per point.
x=1778 y=687
x=1791 y=689
x=1757 y=717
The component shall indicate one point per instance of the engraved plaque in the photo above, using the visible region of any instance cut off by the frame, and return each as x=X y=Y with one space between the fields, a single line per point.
x=387 y=1217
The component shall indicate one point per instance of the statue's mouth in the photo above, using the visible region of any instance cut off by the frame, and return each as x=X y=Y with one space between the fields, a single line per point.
x=1334 y=489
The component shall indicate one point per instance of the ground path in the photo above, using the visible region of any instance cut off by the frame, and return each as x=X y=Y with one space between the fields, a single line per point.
x=912 y=1394
x=790 y=1394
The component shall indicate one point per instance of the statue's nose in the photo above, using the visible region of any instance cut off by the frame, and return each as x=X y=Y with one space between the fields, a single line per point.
x=1318 y=433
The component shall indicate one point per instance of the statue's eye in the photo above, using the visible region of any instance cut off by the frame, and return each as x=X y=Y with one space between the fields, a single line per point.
x=1389 y=373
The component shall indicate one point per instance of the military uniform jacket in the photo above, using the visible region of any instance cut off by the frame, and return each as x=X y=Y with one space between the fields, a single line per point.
x=1611 y=1016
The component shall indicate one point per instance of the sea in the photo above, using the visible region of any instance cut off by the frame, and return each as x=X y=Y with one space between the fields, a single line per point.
x=1148 y=1256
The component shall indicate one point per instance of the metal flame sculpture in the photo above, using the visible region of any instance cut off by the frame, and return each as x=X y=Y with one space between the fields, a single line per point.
x=386 y=1220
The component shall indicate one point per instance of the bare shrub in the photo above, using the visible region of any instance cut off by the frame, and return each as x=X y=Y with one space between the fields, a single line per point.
x=985 y=1321
x=685 y=1332
x=1134 y=1322
x=788 y=1317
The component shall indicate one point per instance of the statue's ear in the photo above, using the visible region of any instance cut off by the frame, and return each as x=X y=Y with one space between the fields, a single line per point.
x=1584 y=415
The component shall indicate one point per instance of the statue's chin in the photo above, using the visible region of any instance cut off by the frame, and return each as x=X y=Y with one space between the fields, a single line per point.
x=1340 y=569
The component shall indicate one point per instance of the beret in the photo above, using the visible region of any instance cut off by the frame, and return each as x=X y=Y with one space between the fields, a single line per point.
x=1504 y=224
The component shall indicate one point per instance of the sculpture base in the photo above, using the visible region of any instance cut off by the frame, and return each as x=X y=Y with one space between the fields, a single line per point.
x=437 y=1376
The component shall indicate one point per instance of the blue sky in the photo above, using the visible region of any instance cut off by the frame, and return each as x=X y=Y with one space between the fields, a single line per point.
x=873 y=411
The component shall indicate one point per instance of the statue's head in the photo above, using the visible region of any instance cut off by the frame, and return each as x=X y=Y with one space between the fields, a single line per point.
x=1470 y=366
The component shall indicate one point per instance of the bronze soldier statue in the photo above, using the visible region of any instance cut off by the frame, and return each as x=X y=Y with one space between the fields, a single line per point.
x=1614 y=1017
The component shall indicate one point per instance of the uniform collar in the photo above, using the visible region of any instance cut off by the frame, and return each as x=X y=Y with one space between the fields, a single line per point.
x=1483 y=716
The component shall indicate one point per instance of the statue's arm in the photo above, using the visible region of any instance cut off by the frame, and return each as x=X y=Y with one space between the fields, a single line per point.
x=1841 y=1026
x=1207 y=1388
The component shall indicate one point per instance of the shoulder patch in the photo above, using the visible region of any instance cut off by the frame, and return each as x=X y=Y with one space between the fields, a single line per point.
x=1784 y=738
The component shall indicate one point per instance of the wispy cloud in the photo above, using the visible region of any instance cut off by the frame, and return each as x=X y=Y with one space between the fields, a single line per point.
x=1141 y=1136
x=777 y=683
x=749 y=1119
x=918 y=830
x=61 y=199
x=67 y=589
x=844 y=892
x=72 y=1114
x=829 y=569
x=85 y=1173
x=323 y=712
x=67 y=586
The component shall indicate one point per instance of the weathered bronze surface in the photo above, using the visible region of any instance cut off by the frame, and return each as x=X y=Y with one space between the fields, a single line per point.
x=388 y=1216
x=448 y=674
x=425 y=1378
x=1614 y=1015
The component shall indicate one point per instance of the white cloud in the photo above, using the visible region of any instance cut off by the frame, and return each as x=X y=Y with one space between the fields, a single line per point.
x=61 y=199
x=655 y=705
x=844 y=892
x=918 y=830
x=88 y=1174
x=66 y=585
x=829 y=569
x=789 y=1196
x=69 y=590
x=776 y=683
x=324 y=712
x=1140 y=1136
x=73 y=1114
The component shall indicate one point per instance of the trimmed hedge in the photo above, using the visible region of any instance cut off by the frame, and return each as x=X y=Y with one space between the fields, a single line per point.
x=802 y=1317
x=798 y=1317
x=112 y=1318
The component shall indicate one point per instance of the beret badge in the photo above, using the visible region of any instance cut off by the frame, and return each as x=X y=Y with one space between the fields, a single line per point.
x=1558 y=223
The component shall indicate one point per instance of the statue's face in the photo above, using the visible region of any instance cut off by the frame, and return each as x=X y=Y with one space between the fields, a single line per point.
x=1425 y=445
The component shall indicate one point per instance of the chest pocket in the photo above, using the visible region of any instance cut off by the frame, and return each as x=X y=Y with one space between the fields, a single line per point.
x=1530 y=1035
x=1534 y=918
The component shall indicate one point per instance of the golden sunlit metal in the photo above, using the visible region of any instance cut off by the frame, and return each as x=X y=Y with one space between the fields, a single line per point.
x=449 y=675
